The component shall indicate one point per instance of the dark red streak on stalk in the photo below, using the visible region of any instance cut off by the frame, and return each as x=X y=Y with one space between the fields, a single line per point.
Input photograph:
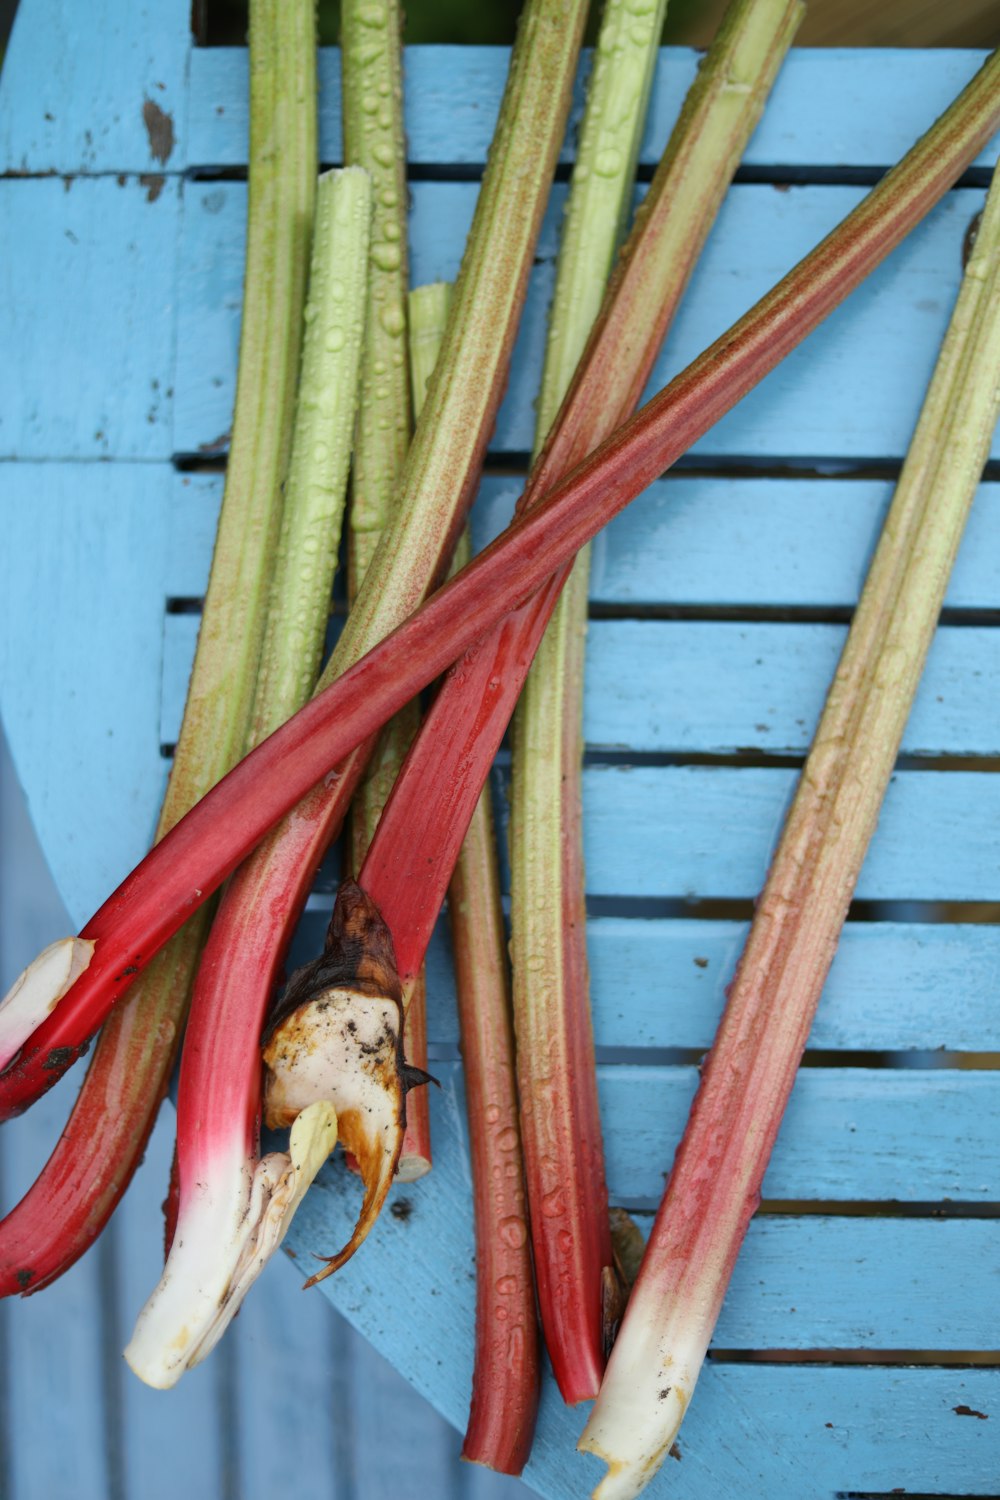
x=182 y=870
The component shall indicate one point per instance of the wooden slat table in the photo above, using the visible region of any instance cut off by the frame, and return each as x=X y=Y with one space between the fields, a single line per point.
x=843 y=1361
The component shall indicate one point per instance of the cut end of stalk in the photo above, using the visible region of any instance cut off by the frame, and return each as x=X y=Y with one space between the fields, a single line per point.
x=338 y=1036
x=223 y=1241
x=650 y=1380
x=35 y=994
x=633 y=1441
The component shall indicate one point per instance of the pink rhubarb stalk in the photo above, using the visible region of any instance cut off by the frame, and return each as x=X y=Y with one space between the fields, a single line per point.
x=206 y=845
x=450 y=759
x=715 y=1183
x=505 y=1376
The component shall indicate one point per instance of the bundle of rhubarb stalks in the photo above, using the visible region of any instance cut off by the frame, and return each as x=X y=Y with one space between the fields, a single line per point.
x=354 y=386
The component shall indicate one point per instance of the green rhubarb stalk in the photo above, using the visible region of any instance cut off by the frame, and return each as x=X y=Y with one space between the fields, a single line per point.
x=111 y=1119
x=374 y=137
x=564 y=1151
x=316 y=487
x=716 y=1178
x=548 y=911
x=429 y=307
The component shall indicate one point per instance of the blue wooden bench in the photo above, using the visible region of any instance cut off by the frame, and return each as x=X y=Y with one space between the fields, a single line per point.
x=857 y=1351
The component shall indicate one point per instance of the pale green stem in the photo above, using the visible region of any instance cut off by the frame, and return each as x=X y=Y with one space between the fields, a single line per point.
x=445 y=458
x=716 y=1178
x=429 y=309
x=316 y=486
x=603 y=183
x=374 y=138
x=282 y=191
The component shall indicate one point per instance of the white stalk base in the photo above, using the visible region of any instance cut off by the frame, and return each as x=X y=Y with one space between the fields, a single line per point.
x=645 y=1393
x=227 y=1231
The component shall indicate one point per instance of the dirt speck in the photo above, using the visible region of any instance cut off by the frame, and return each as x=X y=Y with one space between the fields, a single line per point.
x=160 y=129
x=970 y=1411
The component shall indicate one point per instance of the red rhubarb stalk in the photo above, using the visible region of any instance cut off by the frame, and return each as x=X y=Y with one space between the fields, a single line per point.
x=505 y=1376
x=715 y=1182
x=104 y=1139
x=449 y=762
x=205 y=846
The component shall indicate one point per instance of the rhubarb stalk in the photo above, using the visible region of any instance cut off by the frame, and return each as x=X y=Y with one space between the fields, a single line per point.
x=556 y=1069
x=226 y=1198
x=102 y=1144
x=205 y=846
x=374 y=138
x=746 y=1080
x=411 y=859
x=505 y=1376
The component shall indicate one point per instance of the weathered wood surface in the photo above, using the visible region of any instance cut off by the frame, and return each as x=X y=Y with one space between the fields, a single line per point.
x=719 y=603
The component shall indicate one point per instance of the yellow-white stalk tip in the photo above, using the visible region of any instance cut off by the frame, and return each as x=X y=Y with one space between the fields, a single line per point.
x=36 y=993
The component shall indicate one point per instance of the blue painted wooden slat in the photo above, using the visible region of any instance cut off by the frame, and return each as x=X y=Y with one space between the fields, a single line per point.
x=88 y=617
x=100 y=87
x=88 y=375
x=683 y=688
x=849 y=1133
x=701 y=542
x=707 y=831
x=853 y=390
x=53 y=1345
x=853 y=1431
x=715 y=688
x=829 y=108
x=766 y=542
x=893 y=986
